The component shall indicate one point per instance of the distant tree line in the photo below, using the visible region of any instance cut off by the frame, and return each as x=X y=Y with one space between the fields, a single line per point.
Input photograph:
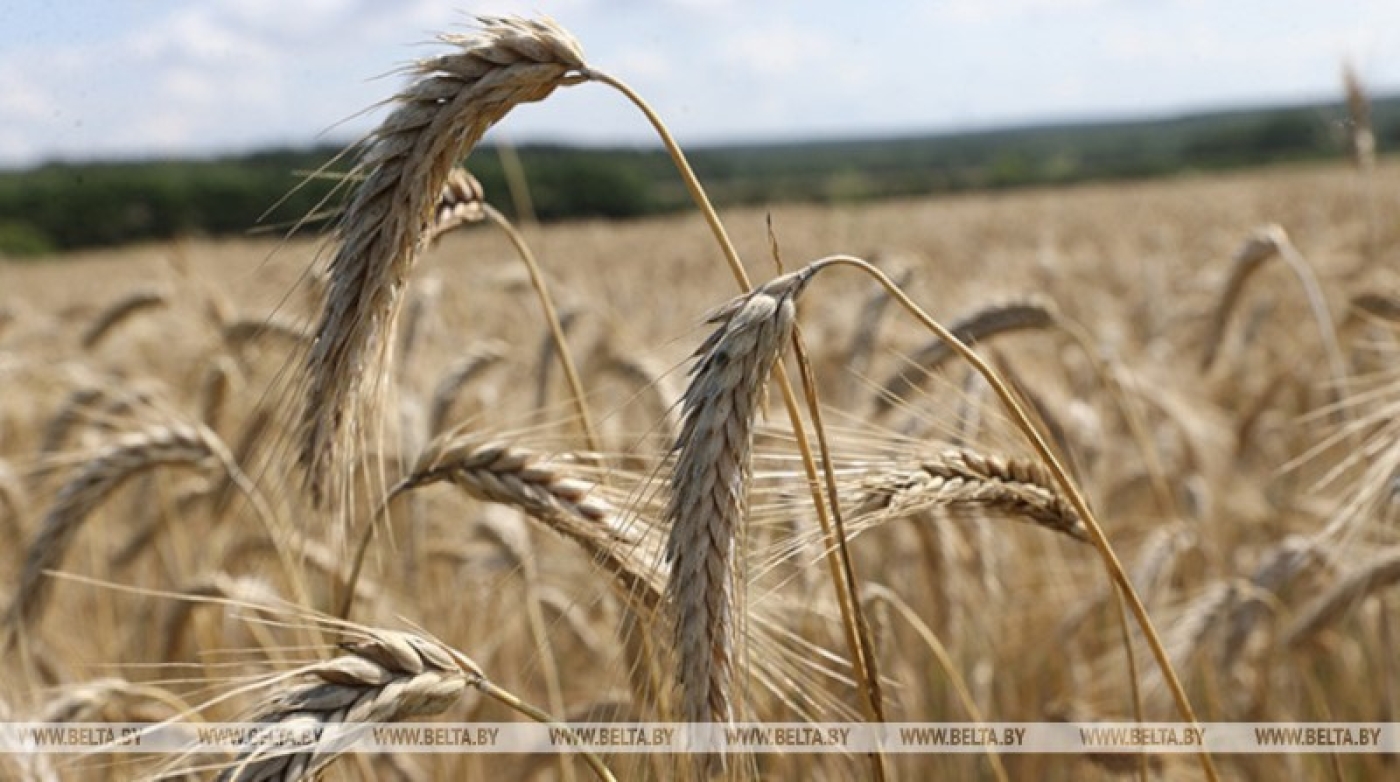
x=63 y=206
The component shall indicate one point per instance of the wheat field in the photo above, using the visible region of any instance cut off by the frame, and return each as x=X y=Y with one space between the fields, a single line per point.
x=197 y=475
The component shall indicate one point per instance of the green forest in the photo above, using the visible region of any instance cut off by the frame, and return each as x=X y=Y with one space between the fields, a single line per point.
x=63 y=206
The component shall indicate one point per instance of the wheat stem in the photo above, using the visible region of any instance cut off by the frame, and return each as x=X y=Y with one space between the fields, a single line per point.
x=551 y=316
x=736 y=267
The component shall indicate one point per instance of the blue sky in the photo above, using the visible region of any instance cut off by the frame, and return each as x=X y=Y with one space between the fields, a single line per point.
x=136 y=78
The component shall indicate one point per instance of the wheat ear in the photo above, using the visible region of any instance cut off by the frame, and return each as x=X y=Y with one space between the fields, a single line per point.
x=384 y=677
x=477 y=360
x=959 y=479
x=849 y=605
x=462 y=202
x=1373 y=576
x=1362 y=138
x=500 y=473
x=1030 y=313
x=439 y=118
x=119 y=311
x=128 y=456
x=1057 y=470
x=709 y=485
x=1268 y=242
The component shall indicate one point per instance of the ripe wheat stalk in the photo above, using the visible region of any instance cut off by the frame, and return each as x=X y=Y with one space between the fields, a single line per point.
x=128 y=456
x=496 y=472
x=473 y=363
x=385 y=676
x=965 y=479
x=1370 y=577
x=709 y=484
x=126 y=307
x=405 y=166
x=1027 y=314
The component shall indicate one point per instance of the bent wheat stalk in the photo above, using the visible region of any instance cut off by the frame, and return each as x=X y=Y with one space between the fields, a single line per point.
x=463 y=202
x=119 y=311
x=166 y=444
x=406 y=163
x=709 y=485
x=128 y=456
x=1030 y=313
x=477 y=360
x=856 y=637
x=1268 y=242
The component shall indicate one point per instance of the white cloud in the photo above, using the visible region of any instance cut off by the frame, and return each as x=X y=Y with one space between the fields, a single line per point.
x=644 y=63
x=778 y=52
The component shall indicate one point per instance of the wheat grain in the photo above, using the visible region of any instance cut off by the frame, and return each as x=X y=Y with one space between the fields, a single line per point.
x=462 y=202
